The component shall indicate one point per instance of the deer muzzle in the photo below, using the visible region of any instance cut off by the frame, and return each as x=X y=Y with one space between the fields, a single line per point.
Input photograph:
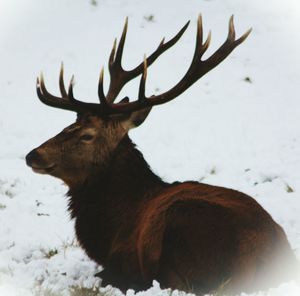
x=38 y=163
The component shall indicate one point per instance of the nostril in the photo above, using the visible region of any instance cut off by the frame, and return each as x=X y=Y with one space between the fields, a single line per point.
x=31 y=157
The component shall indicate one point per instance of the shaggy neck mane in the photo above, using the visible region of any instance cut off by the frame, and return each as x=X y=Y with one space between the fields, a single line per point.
x=125 y=179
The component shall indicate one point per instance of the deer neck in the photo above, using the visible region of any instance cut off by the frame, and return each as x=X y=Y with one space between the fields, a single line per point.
x=126 y=179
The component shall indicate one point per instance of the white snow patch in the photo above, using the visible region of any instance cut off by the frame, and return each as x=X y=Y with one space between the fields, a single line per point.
x=226 y=130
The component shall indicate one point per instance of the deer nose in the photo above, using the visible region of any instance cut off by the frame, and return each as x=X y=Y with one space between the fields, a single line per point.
x=32 y=156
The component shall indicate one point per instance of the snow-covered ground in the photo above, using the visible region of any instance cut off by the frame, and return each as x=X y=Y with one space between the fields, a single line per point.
x=238 y=127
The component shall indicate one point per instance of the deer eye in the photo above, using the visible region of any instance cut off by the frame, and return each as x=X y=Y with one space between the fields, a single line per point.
x=86 y=138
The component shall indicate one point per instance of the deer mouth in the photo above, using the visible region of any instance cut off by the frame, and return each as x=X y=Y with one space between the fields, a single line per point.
x=43 y=170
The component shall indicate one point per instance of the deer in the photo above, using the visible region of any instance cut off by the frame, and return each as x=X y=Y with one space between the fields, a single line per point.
x=188 y=235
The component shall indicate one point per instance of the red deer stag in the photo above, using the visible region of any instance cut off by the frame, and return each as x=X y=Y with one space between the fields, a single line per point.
x=188 y=236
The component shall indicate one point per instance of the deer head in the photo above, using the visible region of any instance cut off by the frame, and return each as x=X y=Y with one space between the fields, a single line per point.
x=99 y=128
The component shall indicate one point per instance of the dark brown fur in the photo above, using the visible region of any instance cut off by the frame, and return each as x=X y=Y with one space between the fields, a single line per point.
x=189 y=236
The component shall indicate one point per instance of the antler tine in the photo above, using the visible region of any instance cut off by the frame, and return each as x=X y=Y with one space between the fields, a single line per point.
x=70 y=89
x=200 y=47
x=199 y=39
x=142 y=96
x=61 y=81
x=121 y=44
x=112 y=55
x=43 y=90
x=231 y=30
x=100 y=85
x=243 y=37
x=101 y=94
x=116 y=53
x=207 y=42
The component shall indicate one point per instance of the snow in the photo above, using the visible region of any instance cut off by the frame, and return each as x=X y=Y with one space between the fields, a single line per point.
x=225 y=130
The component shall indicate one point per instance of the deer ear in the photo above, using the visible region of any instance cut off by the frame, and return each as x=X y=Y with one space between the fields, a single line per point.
x=136 y=118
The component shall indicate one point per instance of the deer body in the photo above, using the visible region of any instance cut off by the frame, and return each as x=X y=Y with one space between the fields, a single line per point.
x=188 y=236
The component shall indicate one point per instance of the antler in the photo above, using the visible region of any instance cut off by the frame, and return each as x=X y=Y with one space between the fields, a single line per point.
x=119 y=76
x=197 y=69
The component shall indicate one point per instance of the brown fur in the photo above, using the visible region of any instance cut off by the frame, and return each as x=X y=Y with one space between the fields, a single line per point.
x=189 y=236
